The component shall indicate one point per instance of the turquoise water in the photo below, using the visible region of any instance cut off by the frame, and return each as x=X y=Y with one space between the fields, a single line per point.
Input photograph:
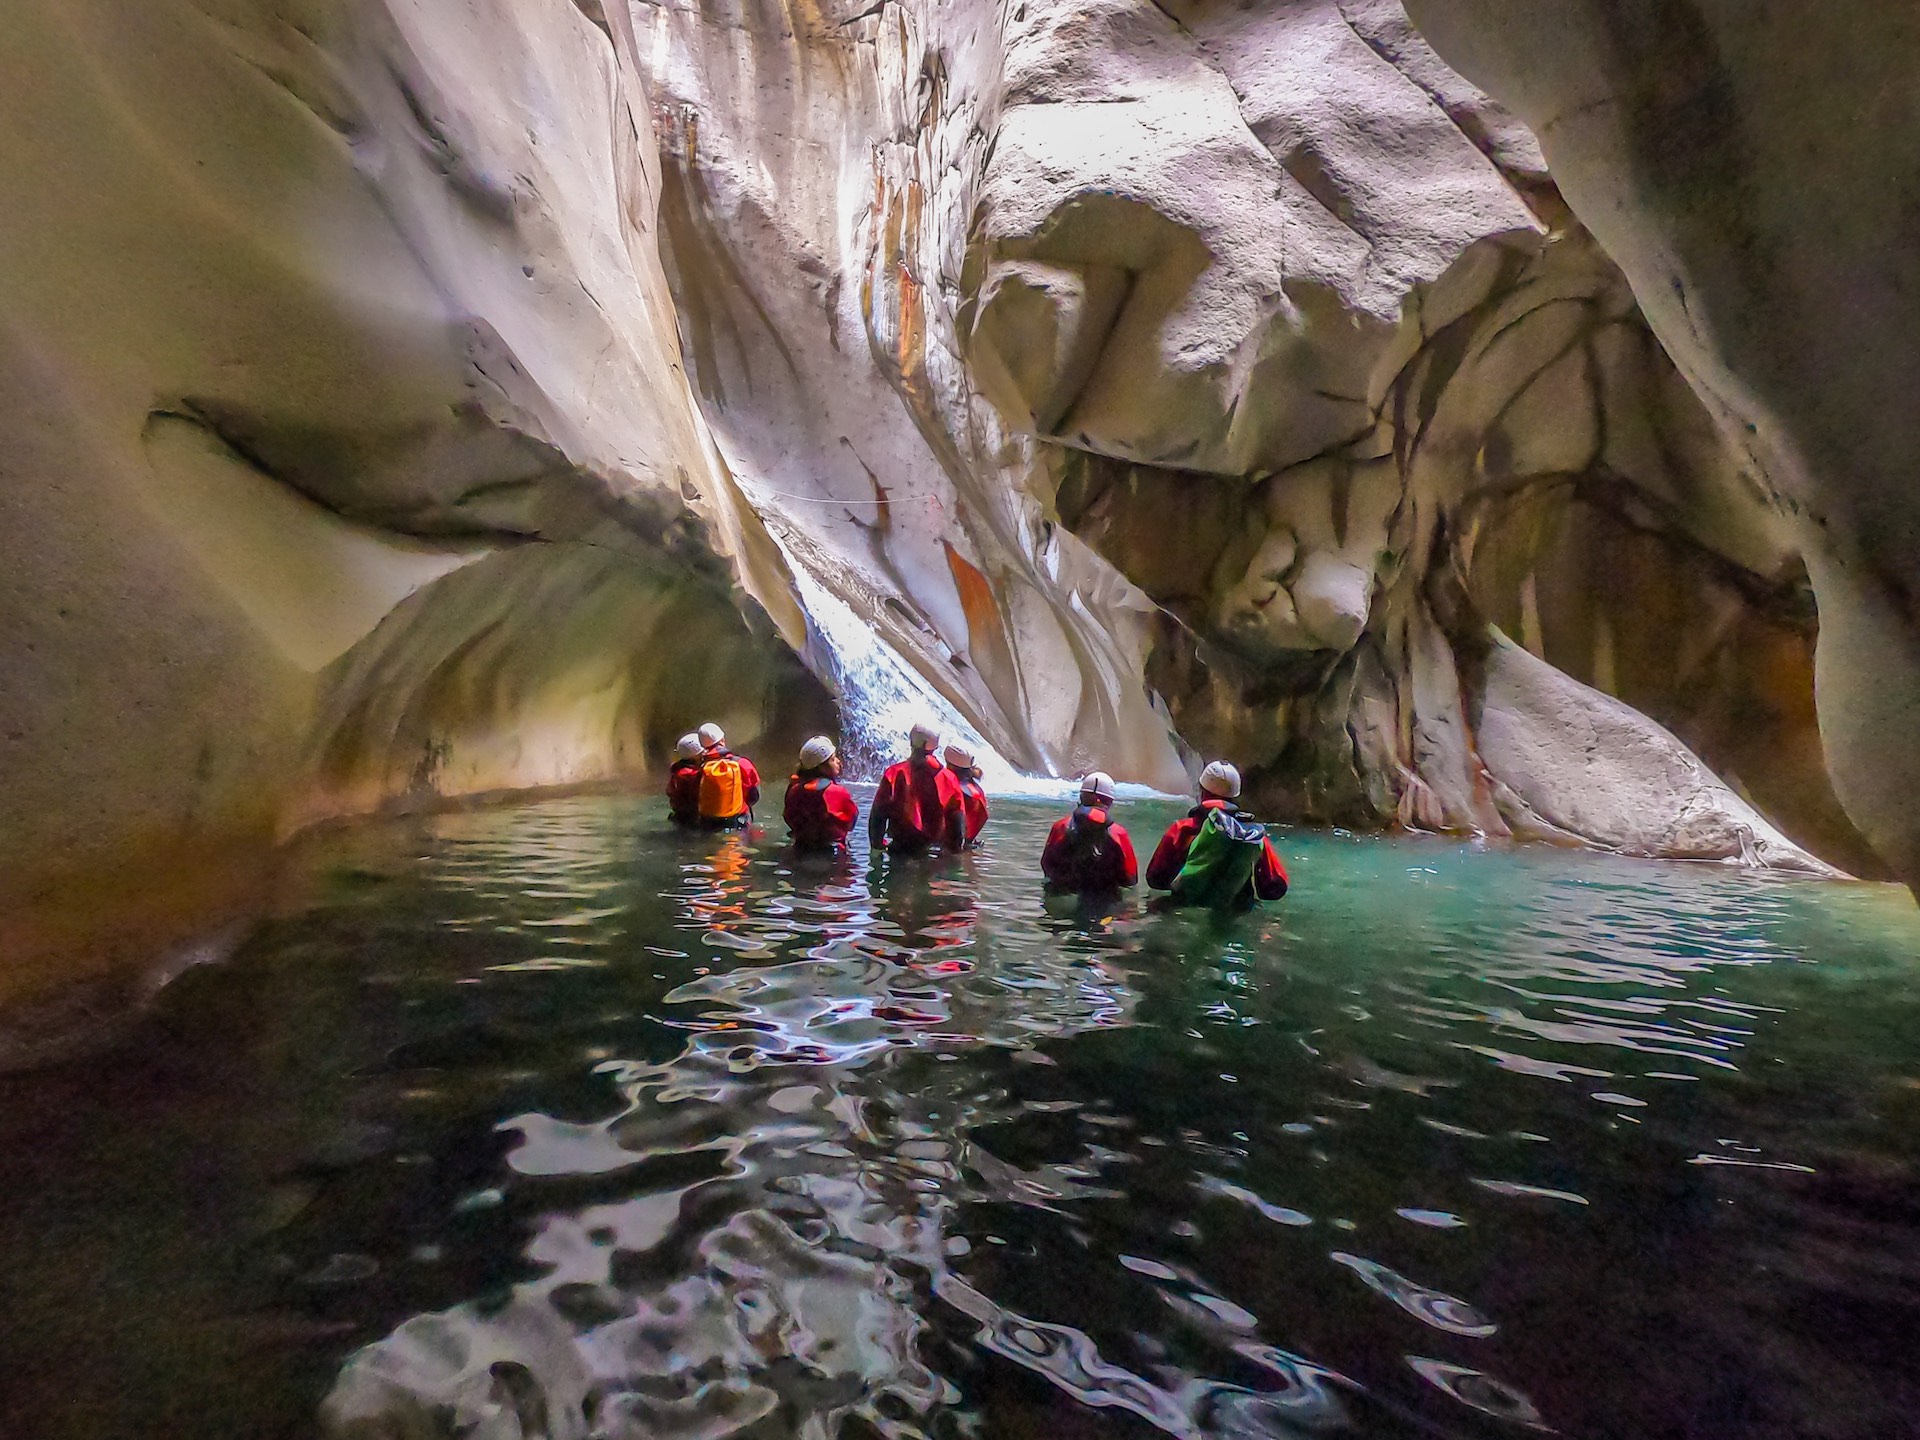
x=550 y=1121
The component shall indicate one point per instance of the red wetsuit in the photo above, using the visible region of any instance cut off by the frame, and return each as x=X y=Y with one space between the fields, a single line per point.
x=918 y=804
x=683 y=792
x=820 y=811
x=1269 y=876
x=1087 y=851
x=973 y=804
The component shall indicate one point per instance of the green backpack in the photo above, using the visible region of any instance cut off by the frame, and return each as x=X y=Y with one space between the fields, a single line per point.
x=1221 y=862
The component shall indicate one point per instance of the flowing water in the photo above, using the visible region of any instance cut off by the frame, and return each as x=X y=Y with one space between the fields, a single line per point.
x=549 y=1121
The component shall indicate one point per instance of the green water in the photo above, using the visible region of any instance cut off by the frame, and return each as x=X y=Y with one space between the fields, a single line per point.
x=549 y=1121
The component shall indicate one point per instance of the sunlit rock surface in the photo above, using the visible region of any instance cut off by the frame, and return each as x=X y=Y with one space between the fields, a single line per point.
x=413 y=400
x=819 y=167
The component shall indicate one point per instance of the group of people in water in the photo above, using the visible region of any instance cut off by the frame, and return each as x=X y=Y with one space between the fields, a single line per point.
x=1215 y=855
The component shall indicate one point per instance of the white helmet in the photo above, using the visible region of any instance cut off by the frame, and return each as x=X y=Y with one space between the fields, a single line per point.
x=1220 y=778
x=688 y=747
x=712 y=735
x=1097 y=785
x=959 y=757
x=923 y=737
x=817 y=752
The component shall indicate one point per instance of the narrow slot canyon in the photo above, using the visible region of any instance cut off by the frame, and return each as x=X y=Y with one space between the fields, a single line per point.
x=1479 y=422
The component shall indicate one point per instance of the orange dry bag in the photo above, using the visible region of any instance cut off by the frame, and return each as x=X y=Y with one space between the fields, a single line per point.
x=723 y=794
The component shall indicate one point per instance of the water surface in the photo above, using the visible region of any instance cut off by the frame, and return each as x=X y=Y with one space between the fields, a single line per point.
x=549 y=1121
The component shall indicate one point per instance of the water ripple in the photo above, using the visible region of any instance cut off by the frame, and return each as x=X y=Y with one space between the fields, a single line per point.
x=1478 y=1390
x=680 y=1137
x=1435 y=1308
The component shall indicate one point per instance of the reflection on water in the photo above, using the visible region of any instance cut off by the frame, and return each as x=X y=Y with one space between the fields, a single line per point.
x=551 y=1122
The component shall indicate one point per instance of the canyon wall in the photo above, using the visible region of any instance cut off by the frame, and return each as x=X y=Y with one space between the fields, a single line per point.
x=1755 y=177
x=347 y=451
x=1286 y=323
x=413 y=400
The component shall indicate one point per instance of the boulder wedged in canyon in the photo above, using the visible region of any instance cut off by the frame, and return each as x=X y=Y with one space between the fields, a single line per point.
x=418 y=400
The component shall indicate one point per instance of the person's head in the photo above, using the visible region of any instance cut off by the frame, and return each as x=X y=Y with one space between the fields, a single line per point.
x=712 y=735
x=1220 y=781
x=820 y=753
x=688 y=747
x=1096 y=788
x=959 y=758
x=924 y=739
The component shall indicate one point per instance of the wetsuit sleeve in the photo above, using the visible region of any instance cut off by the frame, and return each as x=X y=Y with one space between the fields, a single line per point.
x=1170 y=855
x=683 y=792
x=750 y=778
x=1053 y=857
x=842 y=809
x=1270 y=879
x=788 y=808
x=877 y=812
x=1129 y=862
x=976 y=810
x=953 y=811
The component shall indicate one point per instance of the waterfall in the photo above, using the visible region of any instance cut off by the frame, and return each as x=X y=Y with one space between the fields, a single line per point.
x=882 y=697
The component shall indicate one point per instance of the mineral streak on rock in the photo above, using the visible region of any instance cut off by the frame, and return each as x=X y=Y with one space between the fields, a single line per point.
x=418 y=400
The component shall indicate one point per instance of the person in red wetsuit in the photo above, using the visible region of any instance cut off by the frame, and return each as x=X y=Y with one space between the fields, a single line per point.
x=1087 y=853
x=820 y=810
x=1219 y=788
x=919 y=802
x=713 y=746
x=683 y=781
x=973 y=795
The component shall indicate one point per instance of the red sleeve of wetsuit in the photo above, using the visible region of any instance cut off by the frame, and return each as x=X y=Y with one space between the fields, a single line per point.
x=1270 y=880
x=953 y=808
x=1050 y=858
x=1171 y=853
x=1129 y=862
x=683 y=791
x=842 y=808
x=750 y=778
x=882 y=807
x=976 y=811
